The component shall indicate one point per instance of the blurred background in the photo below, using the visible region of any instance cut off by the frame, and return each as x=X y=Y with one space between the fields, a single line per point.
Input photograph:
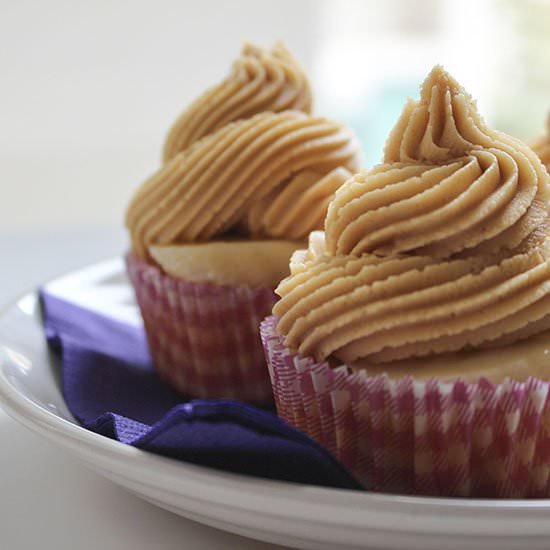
x=88 y=90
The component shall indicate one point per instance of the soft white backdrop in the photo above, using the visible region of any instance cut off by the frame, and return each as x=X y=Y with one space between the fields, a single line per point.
x=88 y=90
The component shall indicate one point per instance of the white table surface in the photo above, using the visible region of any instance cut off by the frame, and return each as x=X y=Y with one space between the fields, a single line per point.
x=48 y=500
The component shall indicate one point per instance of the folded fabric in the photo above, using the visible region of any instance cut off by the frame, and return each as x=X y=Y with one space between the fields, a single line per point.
x=111 y=388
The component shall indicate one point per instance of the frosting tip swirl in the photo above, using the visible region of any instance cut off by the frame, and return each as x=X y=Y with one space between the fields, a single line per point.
x=245 y=157
x=442 y=247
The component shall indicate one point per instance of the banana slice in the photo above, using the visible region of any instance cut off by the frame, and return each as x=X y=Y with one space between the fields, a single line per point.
x=253 y=263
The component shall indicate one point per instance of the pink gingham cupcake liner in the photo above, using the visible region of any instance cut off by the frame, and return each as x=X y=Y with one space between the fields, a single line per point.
x=203 y=337
x=418 y=437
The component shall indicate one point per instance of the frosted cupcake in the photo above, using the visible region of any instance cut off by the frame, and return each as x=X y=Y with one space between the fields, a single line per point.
x=247 y=174
x=411 y=337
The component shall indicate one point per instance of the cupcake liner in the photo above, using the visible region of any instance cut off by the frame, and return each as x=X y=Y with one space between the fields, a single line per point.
x=418 y=437
x=203 y=337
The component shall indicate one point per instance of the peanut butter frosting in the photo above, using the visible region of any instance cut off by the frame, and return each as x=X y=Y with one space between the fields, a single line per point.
x=245 y=158
x=441 y=248
x=225 y=180
x=260 y=80
x=542 y=146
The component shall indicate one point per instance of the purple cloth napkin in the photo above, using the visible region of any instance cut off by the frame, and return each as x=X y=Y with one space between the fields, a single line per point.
x=111 y=388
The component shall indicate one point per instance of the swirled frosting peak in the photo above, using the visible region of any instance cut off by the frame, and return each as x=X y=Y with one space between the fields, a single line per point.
x=542 y=146
x=449 y=184
x=259 y=80
x=441 y=248
x=245 y=158
x=270 y=175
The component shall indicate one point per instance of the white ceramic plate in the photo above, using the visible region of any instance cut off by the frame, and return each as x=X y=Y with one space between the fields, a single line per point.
x=284 y=513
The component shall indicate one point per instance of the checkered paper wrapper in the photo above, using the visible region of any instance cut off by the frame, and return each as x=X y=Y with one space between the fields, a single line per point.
x=418 y=437
x=203 y=337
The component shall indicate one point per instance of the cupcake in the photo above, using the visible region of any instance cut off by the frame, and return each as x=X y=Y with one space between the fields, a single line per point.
x=542 y=146
x=247 y=173
x=411 y=338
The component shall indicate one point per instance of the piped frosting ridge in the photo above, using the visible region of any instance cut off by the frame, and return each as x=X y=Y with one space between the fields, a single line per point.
x=443 y=247
x=245 y=157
